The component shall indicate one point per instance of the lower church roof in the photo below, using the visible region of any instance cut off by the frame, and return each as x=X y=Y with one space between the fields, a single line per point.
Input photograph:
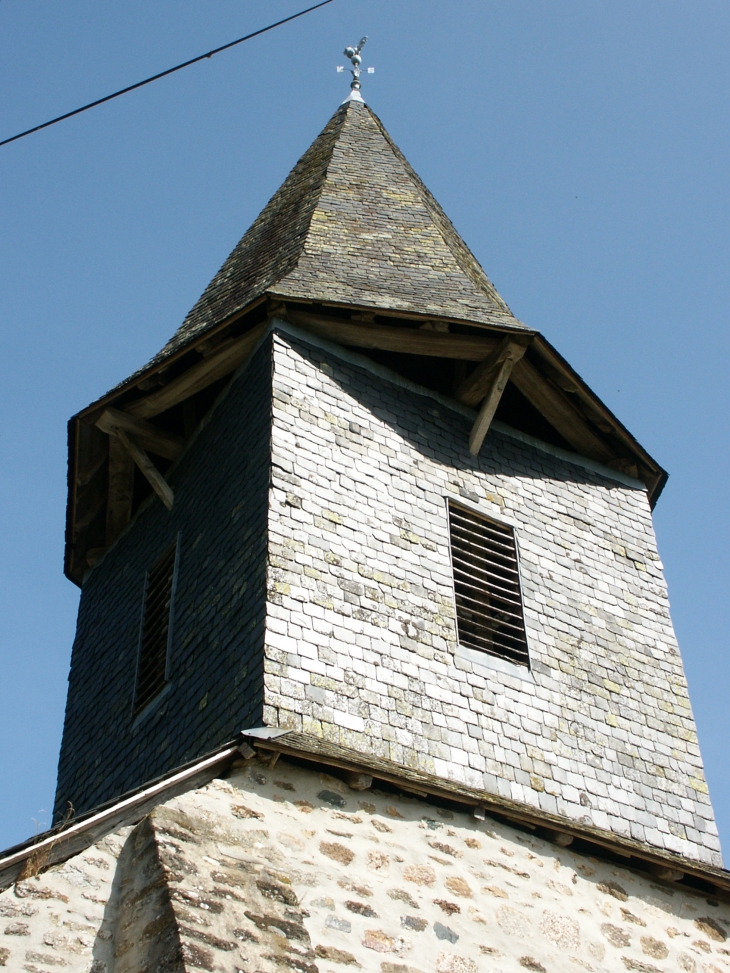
x=266 y=863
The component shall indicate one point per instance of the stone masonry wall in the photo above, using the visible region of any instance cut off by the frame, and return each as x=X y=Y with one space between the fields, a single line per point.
x=289 y=869
x=215 y=690
x=360 y=633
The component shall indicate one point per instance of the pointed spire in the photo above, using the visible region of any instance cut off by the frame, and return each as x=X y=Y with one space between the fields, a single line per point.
x=352 y=225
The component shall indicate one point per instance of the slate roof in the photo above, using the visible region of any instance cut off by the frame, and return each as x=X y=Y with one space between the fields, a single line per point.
x=352 y=224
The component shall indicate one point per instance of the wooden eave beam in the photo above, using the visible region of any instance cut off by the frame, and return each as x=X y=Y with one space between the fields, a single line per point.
x=497 y=327
x=89 y=499
x=217 y=365
x=566 y=379
x=411 y=341
x=134 y=434
x=228 y=357
x=487 y=383
x=315 y=751
x=548 y=393
x=92 y=411
x=537 y=388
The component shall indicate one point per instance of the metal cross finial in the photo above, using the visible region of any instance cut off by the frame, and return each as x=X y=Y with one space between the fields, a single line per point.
x=353 y=53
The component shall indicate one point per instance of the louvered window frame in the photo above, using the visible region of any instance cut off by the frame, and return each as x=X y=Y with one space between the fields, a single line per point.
x=505 y=615
x=159 y=675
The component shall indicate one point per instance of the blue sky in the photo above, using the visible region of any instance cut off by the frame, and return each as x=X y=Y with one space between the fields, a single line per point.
x=581 y=149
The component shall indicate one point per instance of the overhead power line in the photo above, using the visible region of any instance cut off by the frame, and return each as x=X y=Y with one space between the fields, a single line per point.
x=163 y=74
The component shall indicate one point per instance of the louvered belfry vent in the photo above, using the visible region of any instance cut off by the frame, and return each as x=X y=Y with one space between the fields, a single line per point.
x=487 y=586
x=152 y=665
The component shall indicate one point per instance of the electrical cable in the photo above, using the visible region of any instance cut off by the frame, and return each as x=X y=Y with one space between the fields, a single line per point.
x=162 y=74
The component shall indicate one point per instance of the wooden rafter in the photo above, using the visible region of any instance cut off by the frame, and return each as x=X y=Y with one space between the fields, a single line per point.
x=559 y=412
x=217 y=365
x=545 y=380
x=89 y=513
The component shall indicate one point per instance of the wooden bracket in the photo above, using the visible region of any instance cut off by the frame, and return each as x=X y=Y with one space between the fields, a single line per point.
x=155 y=479
x=145 y=434
x=268 y=757
x=472 y=389
x=486 y=384
x=560 y=838
x=134 y=434
x=666 y=873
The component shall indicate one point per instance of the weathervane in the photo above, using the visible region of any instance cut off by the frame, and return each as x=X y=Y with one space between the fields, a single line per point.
x=353 y=53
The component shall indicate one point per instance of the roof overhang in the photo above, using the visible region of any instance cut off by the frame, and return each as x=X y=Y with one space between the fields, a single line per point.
x=269 y=744
x=154 y=413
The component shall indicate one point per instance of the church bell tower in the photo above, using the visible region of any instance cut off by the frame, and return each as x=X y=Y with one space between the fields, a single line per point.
x=353 y=497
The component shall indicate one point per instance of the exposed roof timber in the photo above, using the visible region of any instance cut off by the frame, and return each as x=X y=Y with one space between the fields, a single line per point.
x=474 y=387
x=205 y=343
x=543 y=377
x=552 y=362
x=53 y=847
x=565 y=415
x=120 y=490
x=413 y=341
x=153 y=476
x=162 y=443
x=90 y=510
x=61 y=843
x=87 y=462
x=558 y=368
x=276 y=300
x=88 y=473
x=313 y=749
x=559 y=412
x=156 y=375
x=487 y=383
x=217 y=365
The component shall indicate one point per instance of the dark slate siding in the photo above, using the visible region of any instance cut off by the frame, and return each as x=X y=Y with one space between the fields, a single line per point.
x=216 y=688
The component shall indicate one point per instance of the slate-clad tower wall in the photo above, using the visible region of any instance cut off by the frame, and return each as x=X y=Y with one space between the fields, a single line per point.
x=314 y=583
x=329 y=492
x=361 y=640
x=215 y=663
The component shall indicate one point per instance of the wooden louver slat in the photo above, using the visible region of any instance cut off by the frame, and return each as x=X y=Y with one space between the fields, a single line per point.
x=152 y=665
x=489 y=614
